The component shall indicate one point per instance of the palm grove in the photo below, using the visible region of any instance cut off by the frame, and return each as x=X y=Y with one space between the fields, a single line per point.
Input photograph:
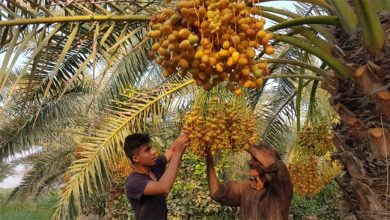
x=75 y=80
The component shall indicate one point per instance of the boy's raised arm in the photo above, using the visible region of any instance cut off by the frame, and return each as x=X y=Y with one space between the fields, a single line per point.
x=164 y=185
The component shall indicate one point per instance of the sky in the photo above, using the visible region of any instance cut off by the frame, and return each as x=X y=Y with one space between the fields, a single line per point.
x=18 y=171
x=280 y=4
x=14 y=180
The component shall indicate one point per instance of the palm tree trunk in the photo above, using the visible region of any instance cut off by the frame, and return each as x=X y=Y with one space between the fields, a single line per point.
x=363 y=136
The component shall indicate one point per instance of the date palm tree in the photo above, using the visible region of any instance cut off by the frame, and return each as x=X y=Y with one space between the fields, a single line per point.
x=61 y=45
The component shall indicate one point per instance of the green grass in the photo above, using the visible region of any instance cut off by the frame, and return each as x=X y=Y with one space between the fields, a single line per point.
x=25 y=210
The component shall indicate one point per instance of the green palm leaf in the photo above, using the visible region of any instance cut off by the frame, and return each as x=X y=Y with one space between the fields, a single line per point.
x=60 y=47
x=276 y=113
x=6 y=170
x=58 y=56
x=129 y=70
x=19 y=133
x=46 y=171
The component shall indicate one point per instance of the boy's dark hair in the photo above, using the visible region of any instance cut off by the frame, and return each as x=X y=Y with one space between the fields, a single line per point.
x=133 y=142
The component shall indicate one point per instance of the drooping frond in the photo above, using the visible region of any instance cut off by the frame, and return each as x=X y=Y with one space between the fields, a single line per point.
x=5 y=170
x=276 y=113
x=54 y=47
x=277 y=107
x=47 y=170
x=55 y=50
x=319 y=108
x=127 y=72
x=60 y=51
x=20 y=132
x=103 y=144
x=307 y=36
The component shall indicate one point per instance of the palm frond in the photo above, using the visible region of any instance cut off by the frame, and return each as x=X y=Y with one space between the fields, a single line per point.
x=46 y=172
x=21 y=131
x=6 y=170
x=277 y=115
x=319 y=109
x=59 y=62
x=57 y=57
x=278 y=15
x=276 y=108
x=129 y=70
x=102 y=147
x=59 y=49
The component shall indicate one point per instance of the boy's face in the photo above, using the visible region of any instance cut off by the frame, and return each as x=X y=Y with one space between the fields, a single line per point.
x=146 y=155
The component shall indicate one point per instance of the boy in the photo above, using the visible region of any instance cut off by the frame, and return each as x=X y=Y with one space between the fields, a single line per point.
x=149 y=183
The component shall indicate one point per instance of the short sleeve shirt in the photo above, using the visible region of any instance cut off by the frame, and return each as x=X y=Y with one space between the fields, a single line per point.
x=146 y=207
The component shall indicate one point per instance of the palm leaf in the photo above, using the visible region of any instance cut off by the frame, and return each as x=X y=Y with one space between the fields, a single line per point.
x=319 y=107
x=19 y=133
x=277 y=108
x=369 y=21
x=60 y=53
x=6 y=170
x=47 y=169
x=279 y=15
x=345 y=13
x=127 y=72
x=276 y=113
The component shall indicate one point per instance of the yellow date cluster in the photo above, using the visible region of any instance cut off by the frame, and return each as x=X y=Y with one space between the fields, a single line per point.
x=220 y=128
x=214 y=41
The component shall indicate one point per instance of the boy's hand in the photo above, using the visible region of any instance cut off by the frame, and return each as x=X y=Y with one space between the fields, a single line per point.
x=179 y=145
